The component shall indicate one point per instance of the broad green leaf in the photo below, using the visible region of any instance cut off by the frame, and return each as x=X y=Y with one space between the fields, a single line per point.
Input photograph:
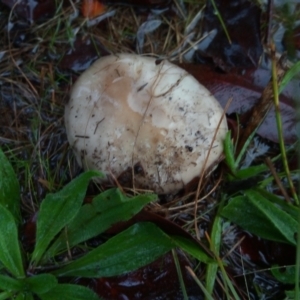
x=285 y=275
x=9 y=187
x=259 y=216
x=10 y=254
x=191 y=248
x=292 y=210
x=10 y=284
x=133 y=248
x=41 y=283
x=24 y=296
x=7 y=295
x=109 y=199
x=57 y=210
x=92 y=219
x=69 y=292
x=283 y=222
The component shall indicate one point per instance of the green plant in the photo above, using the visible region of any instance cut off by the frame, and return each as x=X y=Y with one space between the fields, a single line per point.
x=63 y=223
x=267 y=215
x=259 y=211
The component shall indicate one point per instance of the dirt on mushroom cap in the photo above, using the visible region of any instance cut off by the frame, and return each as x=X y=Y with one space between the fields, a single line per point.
x=130 y=114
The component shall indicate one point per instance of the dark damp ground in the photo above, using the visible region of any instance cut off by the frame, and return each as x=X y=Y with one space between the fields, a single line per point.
x=45 y=45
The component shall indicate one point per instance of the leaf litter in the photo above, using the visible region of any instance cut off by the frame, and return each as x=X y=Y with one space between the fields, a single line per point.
x=46 y=44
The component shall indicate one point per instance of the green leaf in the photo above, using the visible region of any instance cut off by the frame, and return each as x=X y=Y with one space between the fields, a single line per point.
x=216 y=237
x=133 y=248
x=9 y=187
x=290 y=295
x=191 y=248
x=179 y=275
x=292 y=210
x=41 y=283
x=292 y=72
x=250 y=171
x=10 y=254
x=24 y=296
x=57 y=210
x=10 y=284
x=6 y=295
x=229 y=152
x=259 y=216
x=284 y=274
x=245 y=147
x=281 y=221
x=106 y=209
x=69 y=292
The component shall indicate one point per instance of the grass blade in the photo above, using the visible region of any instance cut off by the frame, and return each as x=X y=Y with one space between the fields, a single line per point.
x=229 y=153
x=200 y=284
x=221 y=20
x=215 y=243
x=290 y=74
x=279 y=127
x=179 y=274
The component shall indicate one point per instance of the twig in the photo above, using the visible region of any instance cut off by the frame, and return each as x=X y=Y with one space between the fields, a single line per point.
x=276 y=178
x=205 y=162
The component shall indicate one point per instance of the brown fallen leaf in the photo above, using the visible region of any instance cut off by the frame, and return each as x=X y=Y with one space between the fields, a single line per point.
x=92 y=8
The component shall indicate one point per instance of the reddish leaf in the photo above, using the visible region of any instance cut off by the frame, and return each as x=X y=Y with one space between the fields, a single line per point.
x=245 y=91
x=92 y=8
x=166 y=225
x=264 y=252
x=158 y=280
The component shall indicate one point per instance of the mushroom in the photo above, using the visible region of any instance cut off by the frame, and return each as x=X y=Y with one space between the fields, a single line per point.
x=144 y=122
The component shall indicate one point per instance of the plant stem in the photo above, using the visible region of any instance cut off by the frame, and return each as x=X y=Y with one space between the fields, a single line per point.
x=221 y=20
x=179 y=274
x=279 y=126
x=200 y=284
x=297 y=273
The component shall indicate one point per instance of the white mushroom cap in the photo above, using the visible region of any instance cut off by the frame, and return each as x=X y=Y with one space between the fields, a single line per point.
x=130 y=114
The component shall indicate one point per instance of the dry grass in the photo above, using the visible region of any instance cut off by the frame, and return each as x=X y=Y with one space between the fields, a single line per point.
x=35 y=83
x=34 y=87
